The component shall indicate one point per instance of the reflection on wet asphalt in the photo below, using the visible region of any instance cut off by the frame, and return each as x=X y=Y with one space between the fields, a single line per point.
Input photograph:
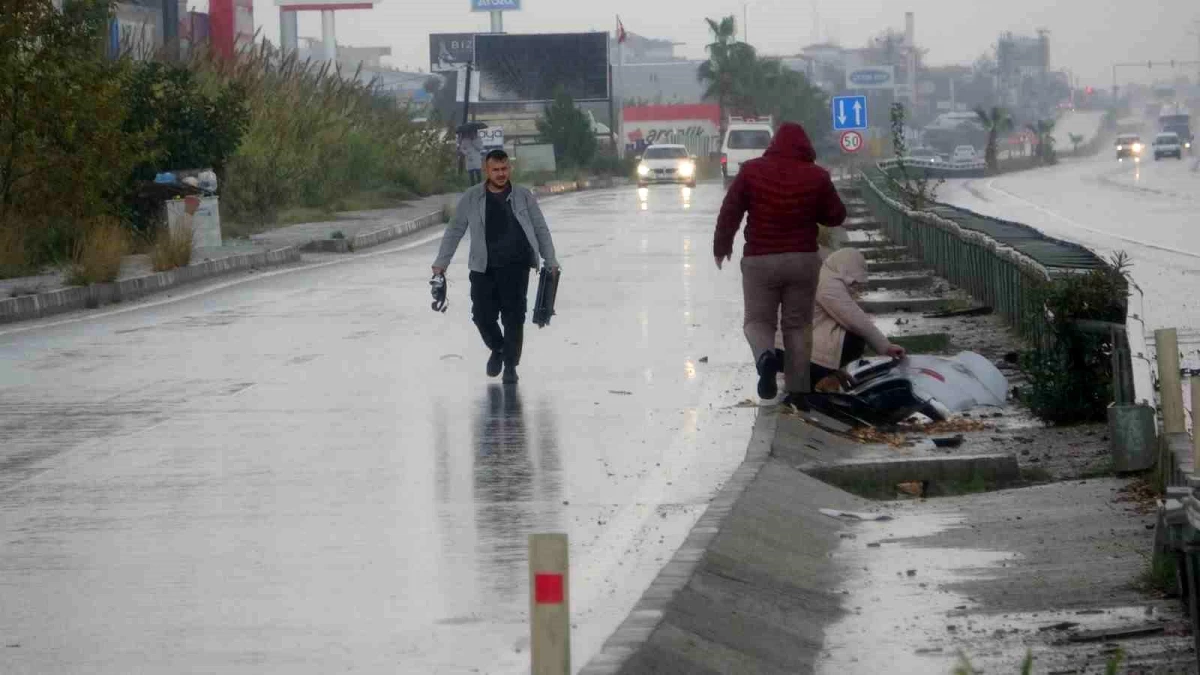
x=310 y=472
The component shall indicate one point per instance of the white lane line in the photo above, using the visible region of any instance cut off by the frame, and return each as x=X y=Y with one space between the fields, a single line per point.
x=221 y=286
x=1054 y=214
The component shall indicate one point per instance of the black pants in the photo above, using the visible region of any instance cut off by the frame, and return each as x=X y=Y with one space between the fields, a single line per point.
x=853 y=347
x=501 y=293
x=475 y=176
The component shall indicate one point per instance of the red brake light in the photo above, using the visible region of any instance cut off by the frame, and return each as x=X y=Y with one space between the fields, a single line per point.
x=724 y=159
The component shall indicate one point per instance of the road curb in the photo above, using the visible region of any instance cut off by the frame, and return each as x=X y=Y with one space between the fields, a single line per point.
x=650 y=610
x=28 y=307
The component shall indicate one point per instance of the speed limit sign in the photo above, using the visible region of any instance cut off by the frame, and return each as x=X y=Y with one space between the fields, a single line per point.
x=851 y=141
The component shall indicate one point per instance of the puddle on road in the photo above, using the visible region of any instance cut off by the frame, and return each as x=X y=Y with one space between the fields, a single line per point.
x=893 y=597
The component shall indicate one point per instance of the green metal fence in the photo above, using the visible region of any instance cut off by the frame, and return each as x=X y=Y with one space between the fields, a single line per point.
x=1000 y=263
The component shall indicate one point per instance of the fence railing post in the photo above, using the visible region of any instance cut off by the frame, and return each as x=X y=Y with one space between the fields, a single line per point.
x=1166 y=347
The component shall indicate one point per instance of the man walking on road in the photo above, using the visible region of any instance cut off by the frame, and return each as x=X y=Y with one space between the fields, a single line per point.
x=787 y=195
x=509 y=236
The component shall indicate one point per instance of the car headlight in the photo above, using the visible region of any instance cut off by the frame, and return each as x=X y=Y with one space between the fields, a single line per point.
x=687 y=169
x=1187 y=145
x=1137 y=147
x=643 y=170
x=1120 y=147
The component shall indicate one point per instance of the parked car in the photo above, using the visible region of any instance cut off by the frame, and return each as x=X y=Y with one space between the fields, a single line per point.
x=1129 y=146
x=964 y=154
x=924 y=155
x=745 y=139
x=1168 y=145
x=667 y=163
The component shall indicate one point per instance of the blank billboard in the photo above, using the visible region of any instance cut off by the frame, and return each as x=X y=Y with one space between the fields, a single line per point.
x=532 y=68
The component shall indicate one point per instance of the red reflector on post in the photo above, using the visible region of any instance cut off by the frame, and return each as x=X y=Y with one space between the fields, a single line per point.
x=548 y=589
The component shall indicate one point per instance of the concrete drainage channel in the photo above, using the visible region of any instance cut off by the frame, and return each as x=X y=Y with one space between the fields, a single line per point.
x=752 y=590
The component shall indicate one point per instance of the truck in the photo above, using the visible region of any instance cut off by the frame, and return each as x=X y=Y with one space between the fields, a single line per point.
x=1176 y=120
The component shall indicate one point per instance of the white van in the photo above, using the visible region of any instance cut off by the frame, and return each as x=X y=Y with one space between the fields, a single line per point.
x=746 y=138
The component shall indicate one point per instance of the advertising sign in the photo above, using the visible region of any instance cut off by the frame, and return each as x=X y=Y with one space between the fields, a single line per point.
x=495 y=5
x=450 y=51
x=492 y=137
x=532 y=68
x=871 y=77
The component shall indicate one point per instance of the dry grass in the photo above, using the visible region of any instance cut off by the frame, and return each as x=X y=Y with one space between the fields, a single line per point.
x=172 y=248
x=96 y=257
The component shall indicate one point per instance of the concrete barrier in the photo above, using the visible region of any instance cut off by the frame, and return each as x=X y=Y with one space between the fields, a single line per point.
x=88 y=297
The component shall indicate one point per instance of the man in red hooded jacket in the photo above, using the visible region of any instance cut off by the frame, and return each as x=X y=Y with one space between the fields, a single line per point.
x=786 y=195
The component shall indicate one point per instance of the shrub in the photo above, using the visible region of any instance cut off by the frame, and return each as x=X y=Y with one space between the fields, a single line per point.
x=66 y=154
x=570 y=131
x=13 y=260
x=1071 y=378
x=172 y=248
x=96 y=257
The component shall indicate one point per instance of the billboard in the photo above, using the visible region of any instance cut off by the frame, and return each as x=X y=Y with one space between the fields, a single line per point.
x=450 y=51
x=532 y=68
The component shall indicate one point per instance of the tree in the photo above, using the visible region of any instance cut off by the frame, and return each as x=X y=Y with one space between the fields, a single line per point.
x=916 y=189
x=788 y=96
x=570 y=131
x=997 y=122
x=1043 y=130
x=729 y=64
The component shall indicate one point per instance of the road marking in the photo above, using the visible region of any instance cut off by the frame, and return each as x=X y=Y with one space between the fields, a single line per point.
x=222 y=286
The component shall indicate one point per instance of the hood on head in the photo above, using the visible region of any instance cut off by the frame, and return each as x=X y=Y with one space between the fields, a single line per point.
x=792 y=141
x=848 y=265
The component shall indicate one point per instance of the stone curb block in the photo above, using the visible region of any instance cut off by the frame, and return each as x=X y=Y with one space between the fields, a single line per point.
x=41 y=305
x=377 y=237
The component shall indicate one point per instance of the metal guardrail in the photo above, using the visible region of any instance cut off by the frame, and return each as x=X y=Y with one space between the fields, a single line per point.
x=998 y=262
x=938 y=168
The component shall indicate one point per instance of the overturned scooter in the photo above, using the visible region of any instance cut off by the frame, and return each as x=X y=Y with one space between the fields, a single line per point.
x=883 y=392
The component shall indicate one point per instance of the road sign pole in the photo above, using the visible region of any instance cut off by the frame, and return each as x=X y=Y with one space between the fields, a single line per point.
x=497 y=22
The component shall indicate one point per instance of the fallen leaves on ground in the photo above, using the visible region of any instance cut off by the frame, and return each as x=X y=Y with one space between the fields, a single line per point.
x=1141 y=494
x=872 y=435
x=957 y=425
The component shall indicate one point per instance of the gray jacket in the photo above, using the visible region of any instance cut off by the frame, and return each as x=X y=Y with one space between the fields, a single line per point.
x=471 y=215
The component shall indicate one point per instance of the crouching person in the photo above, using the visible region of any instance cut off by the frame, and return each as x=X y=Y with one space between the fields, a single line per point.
x=841 y=329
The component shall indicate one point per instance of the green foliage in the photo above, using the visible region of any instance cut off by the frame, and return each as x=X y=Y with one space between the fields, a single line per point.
x=1071 y=379
x=1076 y=140
x=65 y=157
x=566 y=127
x=996 y=122
x=742 y=82
x=915 y=187
x=1044 y=131
x=315 y=136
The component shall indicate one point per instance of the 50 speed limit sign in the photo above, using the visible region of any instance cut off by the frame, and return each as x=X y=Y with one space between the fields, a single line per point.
x=851 y=141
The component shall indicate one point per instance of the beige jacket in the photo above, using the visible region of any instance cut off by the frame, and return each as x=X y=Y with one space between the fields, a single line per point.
x=837 y=312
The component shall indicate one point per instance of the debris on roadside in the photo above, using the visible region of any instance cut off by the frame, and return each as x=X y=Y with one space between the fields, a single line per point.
x=1141 y=494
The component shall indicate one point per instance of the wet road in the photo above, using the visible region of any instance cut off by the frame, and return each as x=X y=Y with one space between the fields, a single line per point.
x=309 y=472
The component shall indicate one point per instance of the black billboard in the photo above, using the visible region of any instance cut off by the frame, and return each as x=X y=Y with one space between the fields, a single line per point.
x=450 y=51
x=531 y=68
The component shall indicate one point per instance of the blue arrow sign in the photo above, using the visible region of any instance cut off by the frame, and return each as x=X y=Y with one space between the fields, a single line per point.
x=849 y=112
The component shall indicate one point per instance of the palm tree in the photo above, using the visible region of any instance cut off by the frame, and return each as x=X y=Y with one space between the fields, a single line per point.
x=1044 y=131
x=997 y=122
x=727 y=68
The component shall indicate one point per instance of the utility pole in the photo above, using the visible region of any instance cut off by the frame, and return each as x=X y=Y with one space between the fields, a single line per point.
x=746 y=22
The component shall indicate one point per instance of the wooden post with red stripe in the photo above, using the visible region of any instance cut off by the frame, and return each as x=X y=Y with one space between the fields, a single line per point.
x=549 y=607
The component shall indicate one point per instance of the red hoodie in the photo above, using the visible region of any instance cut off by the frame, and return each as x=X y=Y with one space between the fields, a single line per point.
x=786 y=194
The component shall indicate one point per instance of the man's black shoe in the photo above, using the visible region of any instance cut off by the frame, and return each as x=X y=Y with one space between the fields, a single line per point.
x=768 y=368
x=510 y=374
x=495 y=363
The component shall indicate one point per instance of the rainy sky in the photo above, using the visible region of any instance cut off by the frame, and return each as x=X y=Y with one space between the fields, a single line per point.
x=1087 y=36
